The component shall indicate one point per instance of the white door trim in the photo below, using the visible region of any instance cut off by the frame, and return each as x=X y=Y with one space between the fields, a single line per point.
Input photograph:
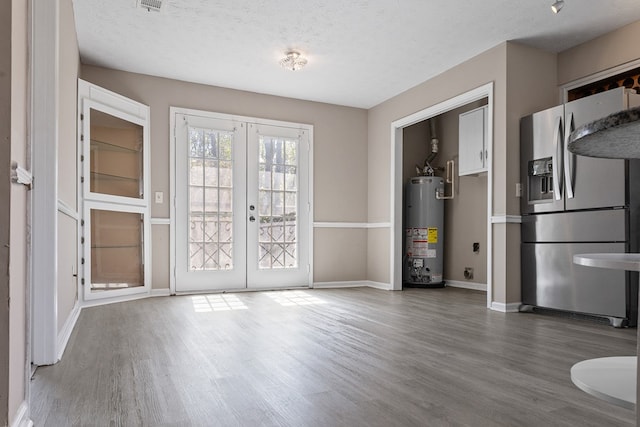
x=485 y=91
x=564 y=89
x=44 y=157
x=173 y=111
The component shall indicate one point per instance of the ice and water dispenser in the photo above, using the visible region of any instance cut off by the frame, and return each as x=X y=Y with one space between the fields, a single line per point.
x=540 y=177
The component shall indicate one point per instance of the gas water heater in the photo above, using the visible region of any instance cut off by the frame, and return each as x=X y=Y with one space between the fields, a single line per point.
x=424 y=220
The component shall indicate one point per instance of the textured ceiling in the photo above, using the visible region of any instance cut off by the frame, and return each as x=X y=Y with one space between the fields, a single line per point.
x=360 y=52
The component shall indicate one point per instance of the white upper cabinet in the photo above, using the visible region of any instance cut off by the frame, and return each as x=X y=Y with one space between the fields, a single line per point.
x=472 y=146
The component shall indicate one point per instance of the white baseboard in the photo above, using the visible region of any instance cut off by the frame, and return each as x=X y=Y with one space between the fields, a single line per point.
x=379 y=285
x=67 y=329
x=347 y=284
x=22 y=416
x=466 y=285
x=511 y=307
x=114 y=300
x=352 y=284
x=160 y=292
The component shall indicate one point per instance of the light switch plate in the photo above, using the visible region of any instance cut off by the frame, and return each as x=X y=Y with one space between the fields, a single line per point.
x=518 y=189
x=159 y=195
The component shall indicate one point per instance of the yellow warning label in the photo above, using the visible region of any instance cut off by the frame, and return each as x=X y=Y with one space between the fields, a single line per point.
x=432 y=235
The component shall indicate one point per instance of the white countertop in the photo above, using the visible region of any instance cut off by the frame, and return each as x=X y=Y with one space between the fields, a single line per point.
x=618 y=261
x=612 y=379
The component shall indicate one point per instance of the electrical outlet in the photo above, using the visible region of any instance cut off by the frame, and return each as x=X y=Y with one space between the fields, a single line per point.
x=476 y=247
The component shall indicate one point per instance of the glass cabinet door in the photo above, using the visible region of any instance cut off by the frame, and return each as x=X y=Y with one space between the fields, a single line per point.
x=117 y=249
x=113 y=146
x=115 y=163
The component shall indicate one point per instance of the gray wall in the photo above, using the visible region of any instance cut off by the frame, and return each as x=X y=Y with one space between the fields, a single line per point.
x=499 y=65
x=613 y=49
x=340 y=161
x=465 y=215
x=5 y=208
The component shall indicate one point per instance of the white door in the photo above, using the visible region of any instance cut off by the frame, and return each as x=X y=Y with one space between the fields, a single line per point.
x=278 y=227
x=239 y=191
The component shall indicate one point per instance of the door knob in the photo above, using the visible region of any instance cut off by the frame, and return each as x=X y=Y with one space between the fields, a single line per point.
x=252 y=218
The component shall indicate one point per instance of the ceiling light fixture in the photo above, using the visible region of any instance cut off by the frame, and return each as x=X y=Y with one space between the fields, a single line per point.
x=557 y=6
x=150 y=5
x=293 y=61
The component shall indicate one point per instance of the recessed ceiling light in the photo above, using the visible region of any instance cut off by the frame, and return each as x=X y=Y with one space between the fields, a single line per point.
x=293 y=61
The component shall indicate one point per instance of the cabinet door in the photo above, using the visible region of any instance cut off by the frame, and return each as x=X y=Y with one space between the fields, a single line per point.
x=471 y=147
x=113 y=142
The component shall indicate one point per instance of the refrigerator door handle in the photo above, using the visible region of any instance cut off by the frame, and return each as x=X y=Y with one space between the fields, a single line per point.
x=557 y=159
x=569 y=163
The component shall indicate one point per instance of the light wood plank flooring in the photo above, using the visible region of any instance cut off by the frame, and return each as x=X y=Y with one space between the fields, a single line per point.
x=345 y=357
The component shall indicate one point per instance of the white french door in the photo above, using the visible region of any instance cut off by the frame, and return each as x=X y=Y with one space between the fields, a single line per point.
x=242 y=212
x=278 y=197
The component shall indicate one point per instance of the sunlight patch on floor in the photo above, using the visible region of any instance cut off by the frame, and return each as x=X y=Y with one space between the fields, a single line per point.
x=290 y=298
x=209 y=303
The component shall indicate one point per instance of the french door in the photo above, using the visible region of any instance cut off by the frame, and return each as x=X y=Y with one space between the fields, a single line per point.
x=242 y=212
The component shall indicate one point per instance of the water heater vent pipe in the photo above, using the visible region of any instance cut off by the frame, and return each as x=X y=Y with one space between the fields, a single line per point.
x=434 y=147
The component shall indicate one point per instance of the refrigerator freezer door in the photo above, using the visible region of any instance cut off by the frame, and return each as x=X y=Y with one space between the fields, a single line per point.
x=541 y=143
x=550 y=279
x=607 y=225
x=592 y=182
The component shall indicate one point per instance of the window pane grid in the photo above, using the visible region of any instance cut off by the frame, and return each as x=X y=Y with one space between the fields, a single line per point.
x=210 y=201
x=278 y=183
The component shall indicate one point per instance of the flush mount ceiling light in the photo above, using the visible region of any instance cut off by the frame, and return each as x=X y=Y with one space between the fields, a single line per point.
x=150 y=5
x=293 y=61
x=557 y=6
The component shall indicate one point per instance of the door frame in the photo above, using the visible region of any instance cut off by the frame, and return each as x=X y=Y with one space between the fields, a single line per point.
x=395 y=252
x=173 y=111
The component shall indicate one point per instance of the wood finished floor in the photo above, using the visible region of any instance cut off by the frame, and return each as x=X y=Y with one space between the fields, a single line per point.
x=350 y=357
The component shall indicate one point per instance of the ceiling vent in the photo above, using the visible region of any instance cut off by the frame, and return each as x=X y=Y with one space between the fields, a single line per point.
x=150 y=5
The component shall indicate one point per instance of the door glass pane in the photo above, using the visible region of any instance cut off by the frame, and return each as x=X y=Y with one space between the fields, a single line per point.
x=116 y=250
x=277 y=207
x=210 y=202
x=115 y=156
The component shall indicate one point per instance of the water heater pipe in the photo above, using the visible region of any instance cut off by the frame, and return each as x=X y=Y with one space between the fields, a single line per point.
x=434 y=144
x=441 y=194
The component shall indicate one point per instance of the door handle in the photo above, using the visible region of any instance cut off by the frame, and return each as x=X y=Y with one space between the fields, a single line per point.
x=252 y=218
x=569 y=171
x=557 y=159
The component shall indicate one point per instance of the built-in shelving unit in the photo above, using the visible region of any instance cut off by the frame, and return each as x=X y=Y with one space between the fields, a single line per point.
x=114 y=182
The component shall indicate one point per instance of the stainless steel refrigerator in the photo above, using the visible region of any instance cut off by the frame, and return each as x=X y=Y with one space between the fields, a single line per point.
x=574 y=204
